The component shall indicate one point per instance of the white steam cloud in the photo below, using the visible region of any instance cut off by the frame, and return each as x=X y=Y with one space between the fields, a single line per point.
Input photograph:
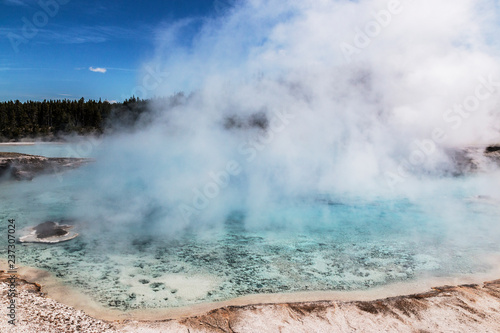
x=296 y=99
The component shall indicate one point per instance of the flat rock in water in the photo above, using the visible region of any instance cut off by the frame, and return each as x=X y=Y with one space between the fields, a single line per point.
x=26 y=167
x=48 y=232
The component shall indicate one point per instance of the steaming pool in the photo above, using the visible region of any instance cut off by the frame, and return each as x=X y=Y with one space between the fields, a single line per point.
x=346 y=243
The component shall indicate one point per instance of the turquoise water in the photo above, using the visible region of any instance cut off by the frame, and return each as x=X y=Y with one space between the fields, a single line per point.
x=319 y=242
x=47 y=149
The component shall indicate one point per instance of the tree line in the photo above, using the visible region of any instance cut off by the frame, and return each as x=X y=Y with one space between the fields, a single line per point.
x=56 y=118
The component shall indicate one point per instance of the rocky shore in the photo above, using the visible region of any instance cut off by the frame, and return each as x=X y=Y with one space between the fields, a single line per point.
x=475 y=159
x=36 y=313
x=26 y=167
x=465 y=308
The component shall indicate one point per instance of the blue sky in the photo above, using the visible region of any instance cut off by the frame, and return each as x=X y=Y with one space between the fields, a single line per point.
x=73 y=37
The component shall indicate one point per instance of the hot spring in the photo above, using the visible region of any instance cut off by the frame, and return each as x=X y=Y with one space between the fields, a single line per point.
x=308 y=153
x=320 y=242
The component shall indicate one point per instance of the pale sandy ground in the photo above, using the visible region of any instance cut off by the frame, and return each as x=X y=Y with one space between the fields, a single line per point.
x=467 y=308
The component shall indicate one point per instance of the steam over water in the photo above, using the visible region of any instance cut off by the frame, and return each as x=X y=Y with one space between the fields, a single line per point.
x=310 y=152
x=302 y=100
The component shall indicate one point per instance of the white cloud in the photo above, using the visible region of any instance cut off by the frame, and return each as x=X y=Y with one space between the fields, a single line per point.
x=98 y=70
